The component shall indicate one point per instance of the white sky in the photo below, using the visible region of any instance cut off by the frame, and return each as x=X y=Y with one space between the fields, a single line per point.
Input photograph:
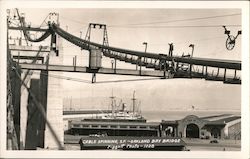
x=155 y=94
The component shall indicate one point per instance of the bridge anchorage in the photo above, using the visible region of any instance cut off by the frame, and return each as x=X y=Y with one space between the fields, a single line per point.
x=26 y=59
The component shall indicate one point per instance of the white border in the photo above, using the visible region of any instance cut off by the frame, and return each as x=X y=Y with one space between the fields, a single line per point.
x=244 y=5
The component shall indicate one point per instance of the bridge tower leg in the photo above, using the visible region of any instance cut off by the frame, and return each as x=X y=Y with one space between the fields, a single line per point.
x=55 y=99
x=31 y=131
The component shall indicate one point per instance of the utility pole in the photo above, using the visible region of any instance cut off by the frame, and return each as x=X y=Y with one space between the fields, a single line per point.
x=190 y=67
x=146 y=45
x=70 y=103
x=112 y=64
x=140 y=58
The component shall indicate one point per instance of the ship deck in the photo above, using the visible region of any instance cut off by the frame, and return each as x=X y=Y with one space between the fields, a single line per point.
x=114 y=128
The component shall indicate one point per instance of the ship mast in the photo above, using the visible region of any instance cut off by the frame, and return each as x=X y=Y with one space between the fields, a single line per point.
x=70 y=105
x=112 y=104
x=134 y=99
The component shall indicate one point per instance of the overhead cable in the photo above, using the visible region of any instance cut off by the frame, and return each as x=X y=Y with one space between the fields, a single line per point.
x=181 y=20
x=178 y=26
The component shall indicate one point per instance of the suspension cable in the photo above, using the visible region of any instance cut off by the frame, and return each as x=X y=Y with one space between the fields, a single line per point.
x=27 y=37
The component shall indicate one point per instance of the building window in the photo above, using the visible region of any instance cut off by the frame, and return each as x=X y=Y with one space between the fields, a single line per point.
x=123 y=126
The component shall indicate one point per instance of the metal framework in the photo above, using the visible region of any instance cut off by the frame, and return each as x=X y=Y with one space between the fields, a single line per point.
x=231 y=40
x=164 y=66
x=104 y=43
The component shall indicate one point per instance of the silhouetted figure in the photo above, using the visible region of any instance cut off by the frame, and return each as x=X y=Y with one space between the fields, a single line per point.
x=171 y=48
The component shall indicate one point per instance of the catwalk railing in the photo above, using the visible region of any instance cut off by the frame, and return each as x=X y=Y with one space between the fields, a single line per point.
x=172 y=65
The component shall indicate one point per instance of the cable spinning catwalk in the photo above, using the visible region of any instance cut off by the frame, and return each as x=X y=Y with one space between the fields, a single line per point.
x=156 y=61
x=117 y=53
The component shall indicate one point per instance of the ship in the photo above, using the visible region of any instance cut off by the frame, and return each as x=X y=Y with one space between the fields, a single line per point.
x=121 y=114
x=121 y=129
x=118 y=122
